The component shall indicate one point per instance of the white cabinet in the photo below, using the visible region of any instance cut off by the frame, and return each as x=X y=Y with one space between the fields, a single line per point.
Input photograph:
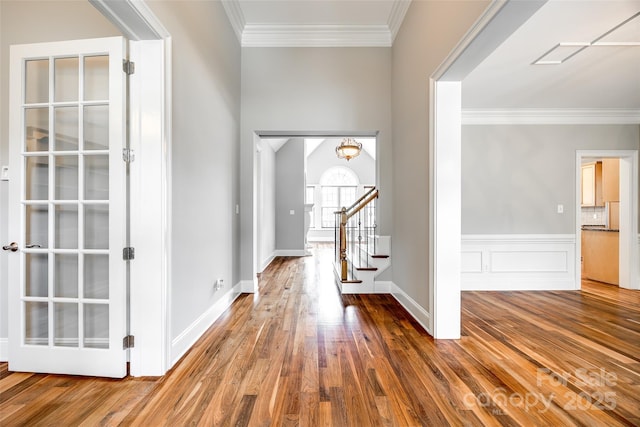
x=592 y=184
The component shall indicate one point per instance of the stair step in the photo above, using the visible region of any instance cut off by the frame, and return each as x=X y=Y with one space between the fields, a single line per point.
x=380 y=256
x=351 y=281
x=366 y=268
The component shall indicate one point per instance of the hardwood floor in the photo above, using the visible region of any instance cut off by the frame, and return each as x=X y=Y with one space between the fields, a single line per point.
x=298 y=353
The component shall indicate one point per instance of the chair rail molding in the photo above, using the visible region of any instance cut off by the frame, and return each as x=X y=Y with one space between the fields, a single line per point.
x=550 y=116
x=518 y=262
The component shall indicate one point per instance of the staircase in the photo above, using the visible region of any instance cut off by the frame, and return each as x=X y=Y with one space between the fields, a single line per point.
x=360 y=254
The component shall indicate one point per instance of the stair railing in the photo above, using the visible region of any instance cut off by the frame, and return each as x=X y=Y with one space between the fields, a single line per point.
x=354 y=233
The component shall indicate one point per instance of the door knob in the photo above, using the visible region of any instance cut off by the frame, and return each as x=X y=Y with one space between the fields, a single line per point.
x=13 y=247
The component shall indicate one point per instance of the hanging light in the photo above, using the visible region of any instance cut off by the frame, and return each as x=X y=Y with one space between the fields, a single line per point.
x=348 y=149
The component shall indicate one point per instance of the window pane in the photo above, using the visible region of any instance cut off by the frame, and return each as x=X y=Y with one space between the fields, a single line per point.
x=66 y=79
x=66 y=227
x=96 y=127
x=328 y=217
x=66 y=129
x=66 y=178
x=96 y=227
x=37 y=81
x=96 y=326
x=66 y=275
x=36 y=122
x=37 y=178
x=96 y=78
x=36 y=279
x=66 y=325
x=36 y=323
x=96 y=177
x=347 y=196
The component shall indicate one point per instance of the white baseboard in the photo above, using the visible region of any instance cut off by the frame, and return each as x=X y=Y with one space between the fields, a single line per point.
x=518 y=262
x=247 y=286
x=416 y=311
x=266 y=262
x=183 y=342
x=4 y=349
x=383 y=287
x=291 y=252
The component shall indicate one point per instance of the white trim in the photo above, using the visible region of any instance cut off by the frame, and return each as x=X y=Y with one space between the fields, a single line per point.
x=472 y=34
x=550 y=116
x=236 y=16
x=183 y=342
x=629 y=267
x=267 y=262
x=445 y=214
x=264 y=35
x=4 y=349
x=396 y=17
x=133 y=18
x=291 y=252
x=518 y=262
x=148 y=207
x=248 y=286
x=416 y=311
x=383 y=287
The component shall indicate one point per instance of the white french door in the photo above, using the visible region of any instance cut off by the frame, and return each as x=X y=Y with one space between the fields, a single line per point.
x=67 y=208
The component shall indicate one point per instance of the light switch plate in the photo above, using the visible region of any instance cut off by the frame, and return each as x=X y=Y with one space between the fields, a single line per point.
x=292 y=212
x=560 y=209
x=4 y=176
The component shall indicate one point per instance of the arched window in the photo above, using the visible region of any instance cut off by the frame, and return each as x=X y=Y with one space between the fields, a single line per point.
x=338 y=187
x=338 y=176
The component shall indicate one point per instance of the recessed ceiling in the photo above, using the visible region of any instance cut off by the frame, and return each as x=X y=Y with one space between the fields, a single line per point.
x=587 y=74
x=328 y=23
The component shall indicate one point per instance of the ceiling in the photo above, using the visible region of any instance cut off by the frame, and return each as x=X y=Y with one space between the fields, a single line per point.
x=597 y=77
x=316 y=22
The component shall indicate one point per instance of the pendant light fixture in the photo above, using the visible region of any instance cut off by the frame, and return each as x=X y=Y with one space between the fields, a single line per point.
x=348 y=149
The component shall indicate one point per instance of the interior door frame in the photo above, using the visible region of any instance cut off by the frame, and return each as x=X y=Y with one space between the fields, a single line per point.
x=150 y=223
x=629 y=242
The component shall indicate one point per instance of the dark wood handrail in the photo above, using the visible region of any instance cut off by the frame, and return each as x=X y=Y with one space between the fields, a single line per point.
x=345 y=214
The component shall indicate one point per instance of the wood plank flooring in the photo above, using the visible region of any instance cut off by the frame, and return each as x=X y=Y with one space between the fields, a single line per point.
x=298 y=353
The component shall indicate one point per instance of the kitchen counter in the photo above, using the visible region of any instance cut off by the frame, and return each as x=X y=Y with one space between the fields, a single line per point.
x=599 y=228
x=600 y=254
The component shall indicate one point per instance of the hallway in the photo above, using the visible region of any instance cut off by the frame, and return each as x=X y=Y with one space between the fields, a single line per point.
x=298 y=353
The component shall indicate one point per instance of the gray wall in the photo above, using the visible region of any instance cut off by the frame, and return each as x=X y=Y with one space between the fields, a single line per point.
x=290 y=196
x=513 y=177
x=313 y=89
x=266 y=203
x=206 y=124
x=33 y=22
x=430 y=31
x=324 y=157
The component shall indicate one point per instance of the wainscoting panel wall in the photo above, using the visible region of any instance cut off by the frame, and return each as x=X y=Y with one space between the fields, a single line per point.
x=518 y=262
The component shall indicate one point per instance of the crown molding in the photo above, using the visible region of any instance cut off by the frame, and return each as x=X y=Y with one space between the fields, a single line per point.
x=550 y=116
x=236 y=16
x=258 y=35
x=396 y=17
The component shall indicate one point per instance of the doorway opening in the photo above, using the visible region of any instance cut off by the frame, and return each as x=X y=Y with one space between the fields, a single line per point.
x=299 y=184
x=607 y=217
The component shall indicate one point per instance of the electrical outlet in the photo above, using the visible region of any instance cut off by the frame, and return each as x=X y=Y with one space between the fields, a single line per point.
x=219 y=284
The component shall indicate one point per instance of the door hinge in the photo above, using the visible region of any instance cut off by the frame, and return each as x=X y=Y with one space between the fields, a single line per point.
x=128 y=253
x=127 y=342
x=129 y=67
x=128 y=155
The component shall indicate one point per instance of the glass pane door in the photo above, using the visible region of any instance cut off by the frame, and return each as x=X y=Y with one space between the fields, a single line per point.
x=70 y=280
